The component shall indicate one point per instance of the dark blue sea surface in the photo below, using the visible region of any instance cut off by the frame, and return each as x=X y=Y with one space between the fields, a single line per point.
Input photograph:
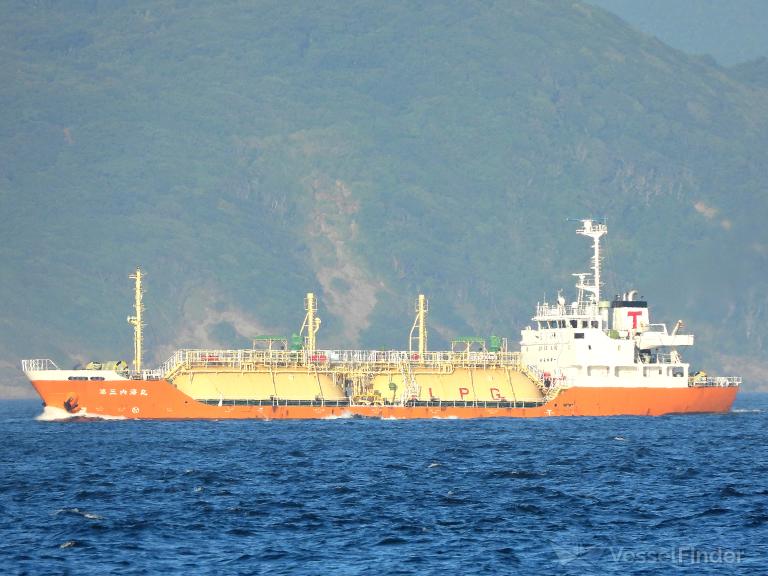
x=623 y=495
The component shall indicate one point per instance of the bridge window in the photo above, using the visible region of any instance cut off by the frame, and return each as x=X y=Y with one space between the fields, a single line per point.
x=651 y=371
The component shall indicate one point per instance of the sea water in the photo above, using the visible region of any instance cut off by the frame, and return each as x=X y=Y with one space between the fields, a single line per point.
x=673 y=494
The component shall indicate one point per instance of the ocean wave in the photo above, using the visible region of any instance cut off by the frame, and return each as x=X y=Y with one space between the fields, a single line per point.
x=343 y=416
x=78 y=512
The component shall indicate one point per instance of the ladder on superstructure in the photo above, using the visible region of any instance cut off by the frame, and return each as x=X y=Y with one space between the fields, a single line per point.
x=547 y=392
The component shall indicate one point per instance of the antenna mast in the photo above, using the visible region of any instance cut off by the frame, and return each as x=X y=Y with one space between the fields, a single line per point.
x=594 y=231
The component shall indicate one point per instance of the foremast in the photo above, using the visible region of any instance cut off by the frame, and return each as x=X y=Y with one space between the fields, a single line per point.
x=136 y=320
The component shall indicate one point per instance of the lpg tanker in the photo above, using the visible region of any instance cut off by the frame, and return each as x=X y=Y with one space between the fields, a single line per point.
x=585 y=357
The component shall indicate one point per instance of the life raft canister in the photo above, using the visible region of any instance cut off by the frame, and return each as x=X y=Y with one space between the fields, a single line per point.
x=71 y=403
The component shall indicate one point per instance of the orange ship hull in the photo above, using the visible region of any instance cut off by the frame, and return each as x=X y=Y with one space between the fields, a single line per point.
x=158 y=399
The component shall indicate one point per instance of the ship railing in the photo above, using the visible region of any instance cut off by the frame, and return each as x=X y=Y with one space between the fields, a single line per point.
x=549 y=385
x=221 y=402
x=472 y=403
x=170 y=366
x=243 y=359
x=249 y=359
x=486 y=358
x=38 y=365
x=661 y=358
x=714 y=381
x=395 y=358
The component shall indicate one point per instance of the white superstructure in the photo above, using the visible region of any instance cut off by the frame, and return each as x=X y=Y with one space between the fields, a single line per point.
x=597 y=343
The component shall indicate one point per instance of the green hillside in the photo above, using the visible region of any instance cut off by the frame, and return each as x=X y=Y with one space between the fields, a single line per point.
x=245 y=154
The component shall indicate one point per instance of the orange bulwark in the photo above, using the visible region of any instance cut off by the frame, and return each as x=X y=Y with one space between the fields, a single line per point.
x=158 y=399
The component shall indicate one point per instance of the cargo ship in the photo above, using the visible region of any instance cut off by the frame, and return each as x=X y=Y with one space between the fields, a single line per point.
x=586 y=357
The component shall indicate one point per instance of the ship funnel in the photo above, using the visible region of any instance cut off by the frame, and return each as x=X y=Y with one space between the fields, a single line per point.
x=630 y=315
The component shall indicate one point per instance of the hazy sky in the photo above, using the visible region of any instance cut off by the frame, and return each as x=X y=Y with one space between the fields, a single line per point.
x=732 y=31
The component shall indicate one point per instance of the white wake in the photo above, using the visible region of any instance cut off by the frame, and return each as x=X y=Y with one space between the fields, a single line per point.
x=53 y=414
